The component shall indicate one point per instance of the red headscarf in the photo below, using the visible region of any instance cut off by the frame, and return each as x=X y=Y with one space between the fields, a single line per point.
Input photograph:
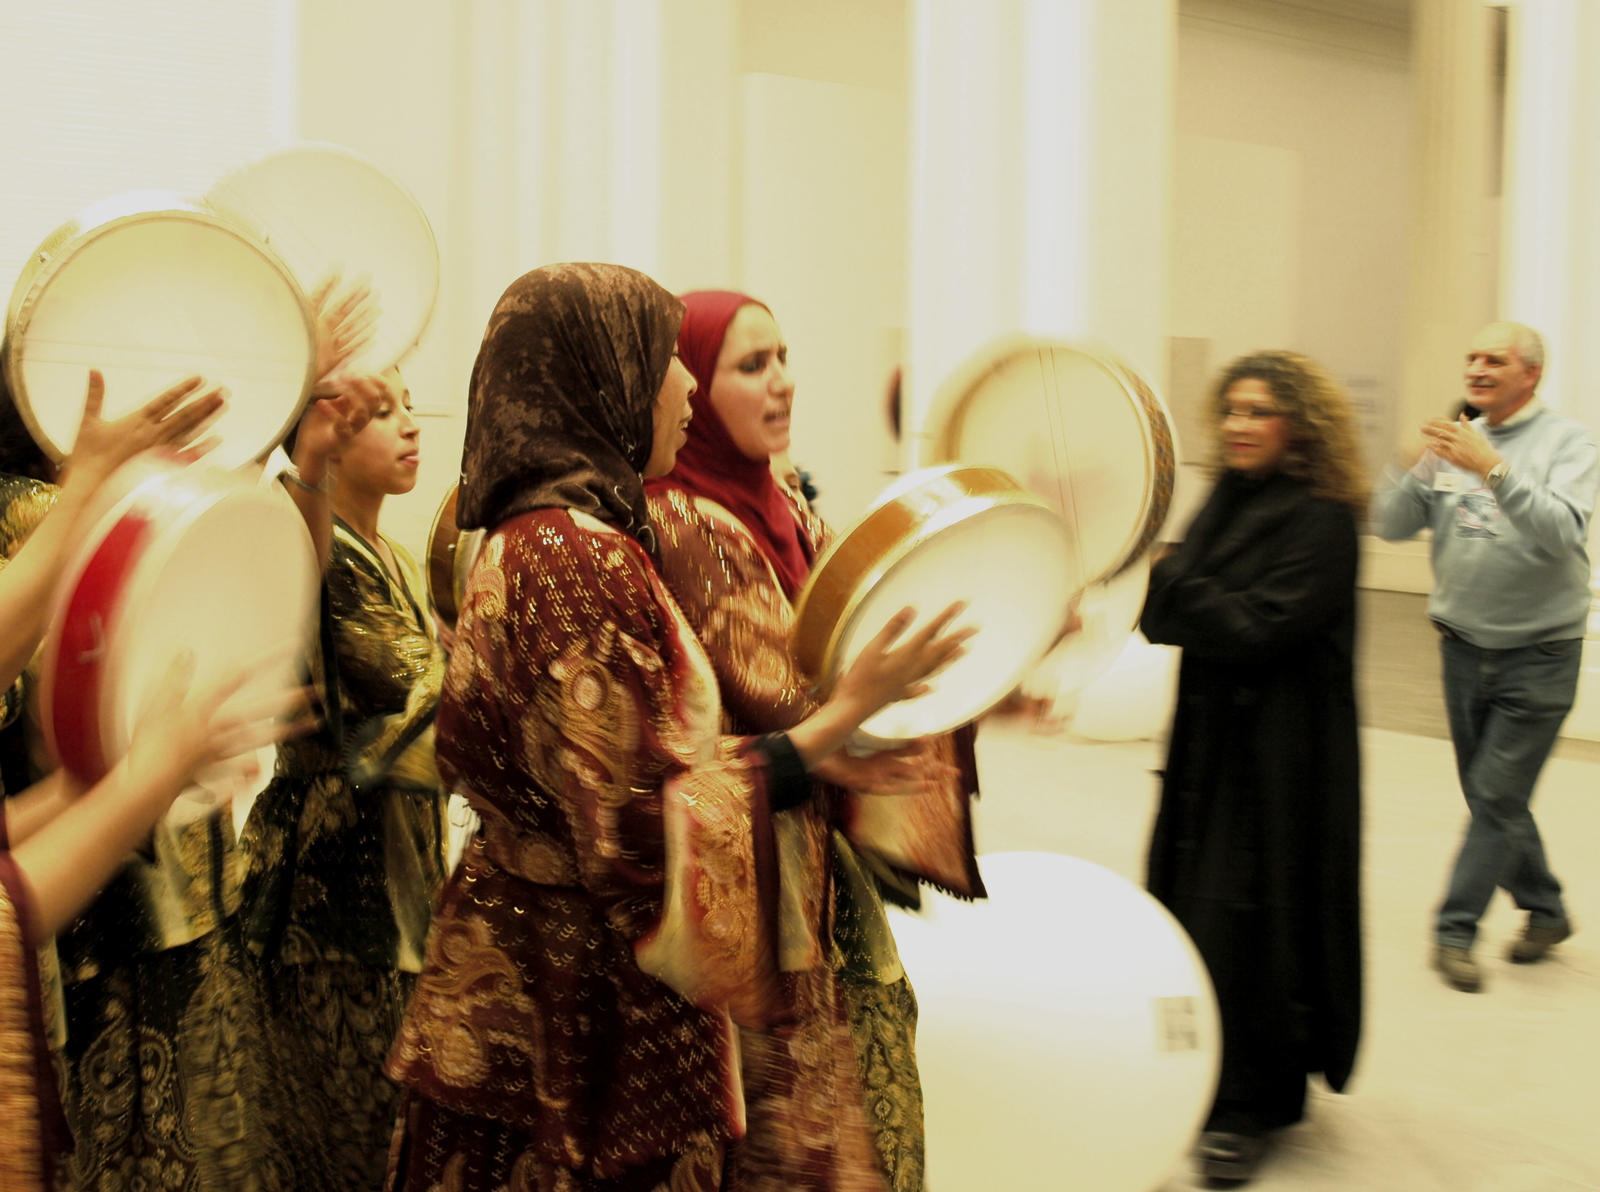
x=711 y=466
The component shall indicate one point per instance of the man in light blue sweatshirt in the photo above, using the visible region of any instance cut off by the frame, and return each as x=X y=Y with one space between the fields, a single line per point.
x=1508 y=497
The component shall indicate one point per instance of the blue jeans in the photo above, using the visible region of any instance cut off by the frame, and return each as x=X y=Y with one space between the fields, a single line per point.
x=1505 y=708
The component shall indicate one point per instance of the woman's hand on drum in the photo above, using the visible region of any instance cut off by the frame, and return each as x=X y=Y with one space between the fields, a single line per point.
x=330 y=422
x=199 y=733
x=347 y=319
x=887 y=670
x=176 y=418
x=1072 y=624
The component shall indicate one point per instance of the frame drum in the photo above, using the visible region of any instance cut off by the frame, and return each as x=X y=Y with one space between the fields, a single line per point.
x=149 y=288
x=1077 y=428
x=451 y=554
x=180 y=558
x=936 y=536
x=326 y=210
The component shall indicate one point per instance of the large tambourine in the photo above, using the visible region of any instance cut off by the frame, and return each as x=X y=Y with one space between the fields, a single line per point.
x=451 y=554
x=936 y=536
x=1076 y=427
x=149 y=287
x=179 y=559
x=328 y=211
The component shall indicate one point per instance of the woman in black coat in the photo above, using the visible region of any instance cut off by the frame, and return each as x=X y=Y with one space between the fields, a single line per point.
x=1256 y=847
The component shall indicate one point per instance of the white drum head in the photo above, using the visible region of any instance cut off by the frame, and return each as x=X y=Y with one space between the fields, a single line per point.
x=149 y=290
x=205 y=590
x=325 y=211
x=1076 y=429
x=224 y=571
x=1016 y=569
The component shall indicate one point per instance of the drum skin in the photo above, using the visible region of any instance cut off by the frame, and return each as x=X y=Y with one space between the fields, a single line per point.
x=1075 y=426
x=442 y=541
x=150 y=287
x=937 y=535
x=327 y=210
x=172 y=564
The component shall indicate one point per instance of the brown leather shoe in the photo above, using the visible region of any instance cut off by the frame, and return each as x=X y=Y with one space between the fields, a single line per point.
x=1458 y=968
x=1536 y=941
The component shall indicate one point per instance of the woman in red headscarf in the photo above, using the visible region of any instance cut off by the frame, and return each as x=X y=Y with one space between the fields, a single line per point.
x=833 y=1095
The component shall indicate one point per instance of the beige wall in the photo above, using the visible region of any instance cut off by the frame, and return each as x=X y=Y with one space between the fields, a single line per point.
x=1292 y=201
x=754 y=145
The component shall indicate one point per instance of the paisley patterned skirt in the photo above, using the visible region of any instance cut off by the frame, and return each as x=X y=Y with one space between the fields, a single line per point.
x=883 y=1025
x=438 y=1150
x=332 y=1024
x=168 y=1081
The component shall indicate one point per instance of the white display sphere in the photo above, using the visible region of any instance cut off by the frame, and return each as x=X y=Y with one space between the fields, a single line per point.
x=1068 y=1033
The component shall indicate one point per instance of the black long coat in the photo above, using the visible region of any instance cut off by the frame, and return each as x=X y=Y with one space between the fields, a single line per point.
x=1256 y=847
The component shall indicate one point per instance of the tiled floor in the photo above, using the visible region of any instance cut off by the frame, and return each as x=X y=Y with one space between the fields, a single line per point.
x=1494 y=1092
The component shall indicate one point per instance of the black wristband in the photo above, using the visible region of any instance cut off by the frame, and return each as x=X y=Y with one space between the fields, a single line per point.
x=788 y=784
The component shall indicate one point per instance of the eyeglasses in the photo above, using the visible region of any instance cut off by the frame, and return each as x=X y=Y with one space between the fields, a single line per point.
x=1250 y=413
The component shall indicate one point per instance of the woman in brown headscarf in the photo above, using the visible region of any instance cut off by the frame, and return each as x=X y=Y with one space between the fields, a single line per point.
x=736 y=549
x=616 y=914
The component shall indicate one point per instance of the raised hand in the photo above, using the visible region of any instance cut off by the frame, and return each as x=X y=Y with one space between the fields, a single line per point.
x=347 y=320
x=175 y=418
x=330 y=422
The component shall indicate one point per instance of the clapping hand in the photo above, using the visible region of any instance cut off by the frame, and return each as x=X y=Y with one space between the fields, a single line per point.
x=1460 y=443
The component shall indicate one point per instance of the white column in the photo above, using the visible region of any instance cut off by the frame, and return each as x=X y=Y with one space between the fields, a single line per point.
x=1551 y=262
x=1550 y=277
x=1041 y=134
x=1451 y=265
x=531 y=131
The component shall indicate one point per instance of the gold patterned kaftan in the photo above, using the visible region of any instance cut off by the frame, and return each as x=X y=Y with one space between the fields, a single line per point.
x=615 y=915
x=851 y=992
x=170 y=1082
x=345 y=855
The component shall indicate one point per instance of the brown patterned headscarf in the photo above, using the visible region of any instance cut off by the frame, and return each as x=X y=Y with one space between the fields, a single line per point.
x=562 y=407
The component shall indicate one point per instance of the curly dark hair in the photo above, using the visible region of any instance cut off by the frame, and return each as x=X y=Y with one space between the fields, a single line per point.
x=1322 y=449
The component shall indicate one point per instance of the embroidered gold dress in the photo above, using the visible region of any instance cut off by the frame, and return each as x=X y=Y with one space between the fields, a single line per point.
x=164 y=1074
x=617 y=912
x=345 y=857
x=847 y=983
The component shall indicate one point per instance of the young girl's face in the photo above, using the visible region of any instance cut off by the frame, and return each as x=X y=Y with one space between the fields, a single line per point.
x=384 y=455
